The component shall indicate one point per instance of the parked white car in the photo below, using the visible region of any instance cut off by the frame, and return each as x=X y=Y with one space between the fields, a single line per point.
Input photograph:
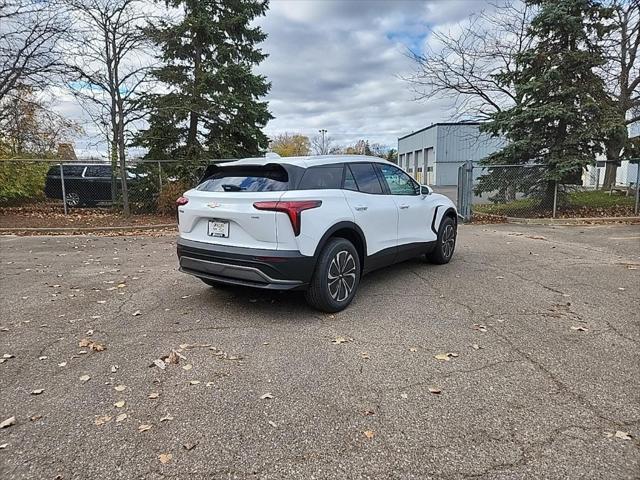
x=313 y=223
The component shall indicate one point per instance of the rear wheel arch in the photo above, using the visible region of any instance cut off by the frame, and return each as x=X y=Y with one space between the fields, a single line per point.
x=349 y=231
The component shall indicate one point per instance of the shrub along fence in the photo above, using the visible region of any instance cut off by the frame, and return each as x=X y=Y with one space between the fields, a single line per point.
x=525 y=191
x=32 y=191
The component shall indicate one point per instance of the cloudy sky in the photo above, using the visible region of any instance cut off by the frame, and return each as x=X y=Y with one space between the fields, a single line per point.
x=336 y=64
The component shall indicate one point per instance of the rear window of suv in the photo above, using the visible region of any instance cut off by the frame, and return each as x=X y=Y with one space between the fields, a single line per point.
x=322 y=177
x=250 y=178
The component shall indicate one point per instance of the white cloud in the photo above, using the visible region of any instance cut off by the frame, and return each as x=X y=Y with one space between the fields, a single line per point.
x=336 y=65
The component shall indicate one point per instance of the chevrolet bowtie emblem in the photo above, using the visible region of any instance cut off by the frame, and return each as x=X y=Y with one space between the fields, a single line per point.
x=213 y=205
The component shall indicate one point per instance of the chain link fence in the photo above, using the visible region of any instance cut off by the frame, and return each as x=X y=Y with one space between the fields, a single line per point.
x=525 y=191
x=43 y=193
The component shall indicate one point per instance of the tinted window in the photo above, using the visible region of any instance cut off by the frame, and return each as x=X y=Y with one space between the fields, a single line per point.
x=73 y=170
x=329 y=176
x=268 y=178
x=349 y=181
x=366 y=177
x=98 y=171
x=399 y=182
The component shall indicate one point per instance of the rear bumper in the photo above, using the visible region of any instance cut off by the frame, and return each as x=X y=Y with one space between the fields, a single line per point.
x=252 y=267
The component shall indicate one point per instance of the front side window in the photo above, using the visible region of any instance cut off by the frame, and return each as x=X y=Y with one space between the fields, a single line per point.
x=268 y=178
x=366 y=177
x=98 y=171
x=323 y=177
x=399 y=182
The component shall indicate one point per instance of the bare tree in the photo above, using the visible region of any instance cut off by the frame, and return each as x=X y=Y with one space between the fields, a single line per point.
x=467 y=65
x=30 y=34
x=621 y=74
x=322 y=144
x=108 y=64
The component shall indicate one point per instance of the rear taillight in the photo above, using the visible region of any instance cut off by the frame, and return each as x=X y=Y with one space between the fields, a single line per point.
x=293 y=209
x=182 y=201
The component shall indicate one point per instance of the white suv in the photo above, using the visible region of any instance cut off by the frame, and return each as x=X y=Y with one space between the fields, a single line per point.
x=312 y=223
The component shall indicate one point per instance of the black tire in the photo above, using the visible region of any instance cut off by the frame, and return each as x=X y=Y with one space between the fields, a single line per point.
x=446 y=243
x=73 y=199
x=338 y=260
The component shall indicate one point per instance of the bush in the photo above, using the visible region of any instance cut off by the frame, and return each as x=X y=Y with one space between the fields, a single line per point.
x=166 y=203
x=22 y=180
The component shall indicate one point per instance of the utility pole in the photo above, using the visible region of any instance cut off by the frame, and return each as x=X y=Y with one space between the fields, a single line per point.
x=323 y=131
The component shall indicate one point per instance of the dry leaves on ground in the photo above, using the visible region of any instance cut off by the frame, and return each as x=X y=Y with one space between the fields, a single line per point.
x=580 y=329
x=119 y=404
x=144 y=428
x=8 y=422
x=445 y=356
x=120 y=388
x=92 y=345
x=153 y=395
x=266 y=396
x=369 y=434
x=37 y=391
x=435 y=390
x=165 y=458
x=85 y=378
x=339 y=340
x=102 y=420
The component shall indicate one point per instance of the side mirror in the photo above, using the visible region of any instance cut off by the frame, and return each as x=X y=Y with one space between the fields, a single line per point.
x=425 y=190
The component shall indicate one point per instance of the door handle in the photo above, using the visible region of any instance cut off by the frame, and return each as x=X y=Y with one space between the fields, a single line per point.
x=404 y=206
x=361 y=208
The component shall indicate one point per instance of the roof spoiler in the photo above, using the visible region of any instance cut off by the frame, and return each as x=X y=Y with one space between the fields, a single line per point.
x=208 y=172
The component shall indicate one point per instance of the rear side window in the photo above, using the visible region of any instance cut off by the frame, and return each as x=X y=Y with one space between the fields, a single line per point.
x=69 y=170
x=250 y=178
x=98 y=171
x=366 y=177
x=329 y=176
x=349 y=181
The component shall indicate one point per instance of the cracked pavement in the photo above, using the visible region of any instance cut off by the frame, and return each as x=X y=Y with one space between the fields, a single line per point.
x=527 y=395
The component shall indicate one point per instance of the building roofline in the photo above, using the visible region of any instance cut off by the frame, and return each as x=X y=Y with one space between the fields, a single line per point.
x=439 y=124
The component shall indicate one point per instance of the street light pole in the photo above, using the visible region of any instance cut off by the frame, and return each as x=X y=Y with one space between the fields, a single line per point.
x=324 y=147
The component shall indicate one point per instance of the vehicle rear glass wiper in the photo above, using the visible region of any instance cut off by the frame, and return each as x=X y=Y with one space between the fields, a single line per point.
x=231 y=188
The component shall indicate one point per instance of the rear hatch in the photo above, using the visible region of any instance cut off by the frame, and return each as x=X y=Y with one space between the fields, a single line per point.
x=220 y=210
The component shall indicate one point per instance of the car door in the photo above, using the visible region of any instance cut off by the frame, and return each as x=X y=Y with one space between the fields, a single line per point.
x=375 y=213
x=415 y=211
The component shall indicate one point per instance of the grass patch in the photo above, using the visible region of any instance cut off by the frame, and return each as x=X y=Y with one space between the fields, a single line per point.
x=596 y=203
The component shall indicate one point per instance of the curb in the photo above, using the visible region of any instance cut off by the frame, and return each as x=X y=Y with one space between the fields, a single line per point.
x=88 y=229
x=570 y=221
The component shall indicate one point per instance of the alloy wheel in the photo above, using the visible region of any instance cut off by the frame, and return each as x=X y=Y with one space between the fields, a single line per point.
x=448 y=241
x=72 y=199
x=341 y=276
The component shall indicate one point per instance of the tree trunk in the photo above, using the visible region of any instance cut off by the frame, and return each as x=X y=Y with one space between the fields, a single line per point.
x=612 y=148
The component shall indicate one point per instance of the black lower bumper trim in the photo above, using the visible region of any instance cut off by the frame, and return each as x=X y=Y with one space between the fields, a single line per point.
x=270 y=269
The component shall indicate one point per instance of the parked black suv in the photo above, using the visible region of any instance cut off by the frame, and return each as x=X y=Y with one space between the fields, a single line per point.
x=85 y=184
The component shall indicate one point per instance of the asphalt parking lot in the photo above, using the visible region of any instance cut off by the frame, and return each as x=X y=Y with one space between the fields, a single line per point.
x=520 y=359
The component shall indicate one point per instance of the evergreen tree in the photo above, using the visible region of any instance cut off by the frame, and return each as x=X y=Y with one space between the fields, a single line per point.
x=564 y=107
x=211 y=107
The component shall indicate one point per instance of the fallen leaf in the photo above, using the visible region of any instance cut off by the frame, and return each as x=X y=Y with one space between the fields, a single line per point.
x=120 y=388
x=102 y=420
x=136 y=313
x=38 y=391
x=62 y=364
x=7 y=355
x=580 y=328
x=173 y=357
x=101 y=302
x=368 y=413
x=339 y=340
x=266 y=396
x=93 y=345
x=165 y=458
x=8 y=422
x=435 y=391
x=442 y=356
x=188 y=366
x=413 y=349
x=85 y=378
x=43 y=357
x=404 y=395
x=160 y=364
x=144 y=428
x=622 y=435
x=154 y=395
x=369 y=434
x=121 y=417
x=209 y=384
x=195 y=382
x=365 y=355
x=166 y=418
x=189 y=446
x=475 y=346
x=3 y=446
x=119 y=404
x=273 y=424
x=114 y=368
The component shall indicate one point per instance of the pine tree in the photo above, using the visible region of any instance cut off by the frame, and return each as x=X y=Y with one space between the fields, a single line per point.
x=563 y=107
x=211 y=107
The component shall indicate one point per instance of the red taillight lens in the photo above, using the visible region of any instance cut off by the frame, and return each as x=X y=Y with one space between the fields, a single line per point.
x=293 y=209
x=182 y=201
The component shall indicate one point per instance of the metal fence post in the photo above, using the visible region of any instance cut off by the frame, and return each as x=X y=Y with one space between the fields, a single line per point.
x=469 y=189
x=555 y=198
x=160 y=176
x=64 y=192
x=637 y=187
